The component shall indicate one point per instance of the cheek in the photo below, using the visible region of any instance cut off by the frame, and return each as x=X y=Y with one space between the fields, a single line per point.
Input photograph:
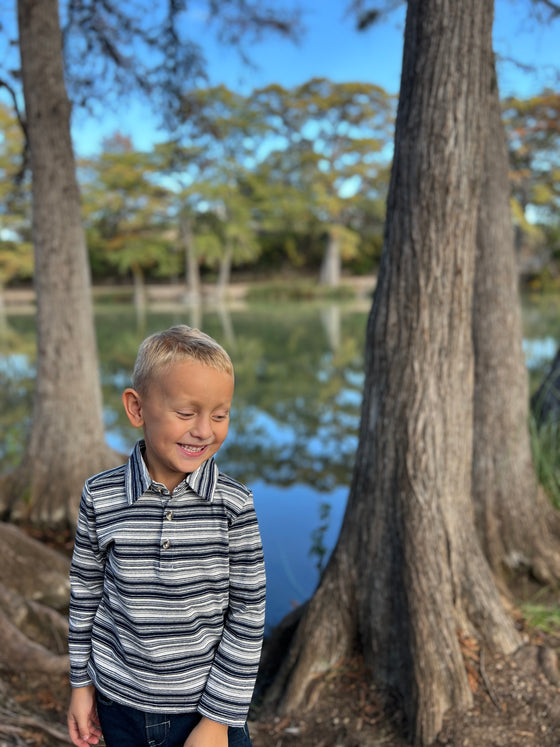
x=222 y=432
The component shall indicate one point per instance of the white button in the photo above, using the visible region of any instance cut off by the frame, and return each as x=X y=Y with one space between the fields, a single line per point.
x=166 y=544
x=169 y=515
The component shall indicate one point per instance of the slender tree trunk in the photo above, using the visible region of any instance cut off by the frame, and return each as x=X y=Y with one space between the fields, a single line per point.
x=511 y=515
x=329 y=273
x=140 y=294
x=67 y=442
x=407 y=576
x=192 y=270
x=140 y=297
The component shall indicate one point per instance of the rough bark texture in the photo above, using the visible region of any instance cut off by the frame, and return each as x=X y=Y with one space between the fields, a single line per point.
x=407 y=575
x=67 y=442
x=512 y=517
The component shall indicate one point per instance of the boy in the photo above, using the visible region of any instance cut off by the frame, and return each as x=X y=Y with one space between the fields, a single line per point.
x=168 y=586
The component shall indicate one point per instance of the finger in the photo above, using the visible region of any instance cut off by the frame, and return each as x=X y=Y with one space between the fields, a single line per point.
x=95 y=735
x=80 y=733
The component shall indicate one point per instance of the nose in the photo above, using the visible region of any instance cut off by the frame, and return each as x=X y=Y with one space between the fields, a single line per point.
x=201 y=427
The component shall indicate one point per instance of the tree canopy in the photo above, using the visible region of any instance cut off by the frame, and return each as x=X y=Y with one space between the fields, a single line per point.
x=290 y=168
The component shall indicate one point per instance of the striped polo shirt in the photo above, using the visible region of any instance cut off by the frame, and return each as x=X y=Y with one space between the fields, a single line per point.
x=168 y=592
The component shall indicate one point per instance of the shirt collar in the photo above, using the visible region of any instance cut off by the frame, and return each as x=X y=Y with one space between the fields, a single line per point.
x=137 y=478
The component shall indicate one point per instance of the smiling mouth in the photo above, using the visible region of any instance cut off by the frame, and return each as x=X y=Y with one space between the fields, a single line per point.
x=192 y=450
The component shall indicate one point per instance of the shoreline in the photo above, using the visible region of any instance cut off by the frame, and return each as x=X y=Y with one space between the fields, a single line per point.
x=23 y=299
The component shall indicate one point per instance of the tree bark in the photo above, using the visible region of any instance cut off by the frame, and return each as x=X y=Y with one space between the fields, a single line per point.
x=329 y=274
x=513 y=518
x=192 y=270
x=33 y=569
x=224 y=273
x=66 y=442
x=19 y=652
x=407 y=576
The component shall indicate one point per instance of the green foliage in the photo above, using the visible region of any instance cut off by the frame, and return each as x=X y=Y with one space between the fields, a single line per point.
x=264 y=182
x=17 y=382
x=543 y=617
x=126 y=211
x=328 y=157
x=209 y=162
x=282 y=168
x=545 y=445
x=533 y=131
x=266 y=178
x=16 y=250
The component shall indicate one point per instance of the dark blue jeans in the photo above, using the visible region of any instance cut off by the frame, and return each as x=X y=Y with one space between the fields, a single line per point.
x=127 y=727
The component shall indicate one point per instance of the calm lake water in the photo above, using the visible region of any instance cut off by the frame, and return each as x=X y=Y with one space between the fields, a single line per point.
x=293 y=433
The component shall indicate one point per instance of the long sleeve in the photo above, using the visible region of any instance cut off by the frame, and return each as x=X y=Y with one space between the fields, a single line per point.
x=229 y=688
x=86 y=583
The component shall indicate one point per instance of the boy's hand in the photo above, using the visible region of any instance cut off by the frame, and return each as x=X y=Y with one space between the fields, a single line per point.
x=208 y=733
x=83 y=724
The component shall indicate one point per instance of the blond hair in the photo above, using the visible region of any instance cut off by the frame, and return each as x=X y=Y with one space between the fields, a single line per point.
x=177 y=343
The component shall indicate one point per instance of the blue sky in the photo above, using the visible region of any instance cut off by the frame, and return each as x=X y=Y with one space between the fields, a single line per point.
x=332 y=48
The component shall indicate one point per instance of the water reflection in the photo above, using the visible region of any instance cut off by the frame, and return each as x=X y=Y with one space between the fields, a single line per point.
x=294 y=421
x=299 y=378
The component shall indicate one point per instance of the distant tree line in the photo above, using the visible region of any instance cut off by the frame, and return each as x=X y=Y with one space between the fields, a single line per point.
x=281 y=179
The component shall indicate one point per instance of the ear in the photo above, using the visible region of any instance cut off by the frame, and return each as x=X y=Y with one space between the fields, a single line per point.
x=133 y=407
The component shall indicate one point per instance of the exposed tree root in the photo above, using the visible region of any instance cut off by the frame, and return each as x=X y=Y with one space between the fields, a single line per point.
x=32 y=569
x=18 y=653
x=33 y=580
x=307 y=644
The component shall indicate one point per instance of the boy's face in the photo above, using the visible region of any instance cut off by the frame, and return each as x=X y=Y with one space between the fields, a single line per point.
x=185 y=417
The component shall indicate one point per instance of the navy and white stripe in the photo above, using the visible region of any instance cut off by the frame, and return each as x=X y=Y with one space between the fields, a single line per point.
x=168 y=592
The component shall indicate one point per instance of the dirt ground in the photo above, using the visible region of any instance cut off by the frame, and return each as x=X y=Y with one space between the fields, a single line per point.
x=515 y=705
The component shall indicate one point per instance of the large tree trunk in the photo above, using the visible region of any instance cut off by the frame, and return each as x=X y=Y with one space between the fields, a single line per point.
x=512 y=516
x=67 y=442
x=407 y=576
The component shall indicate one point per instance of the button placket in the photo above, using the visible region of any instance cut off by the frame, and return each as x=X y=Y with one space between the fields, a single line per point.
x=168 y=516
